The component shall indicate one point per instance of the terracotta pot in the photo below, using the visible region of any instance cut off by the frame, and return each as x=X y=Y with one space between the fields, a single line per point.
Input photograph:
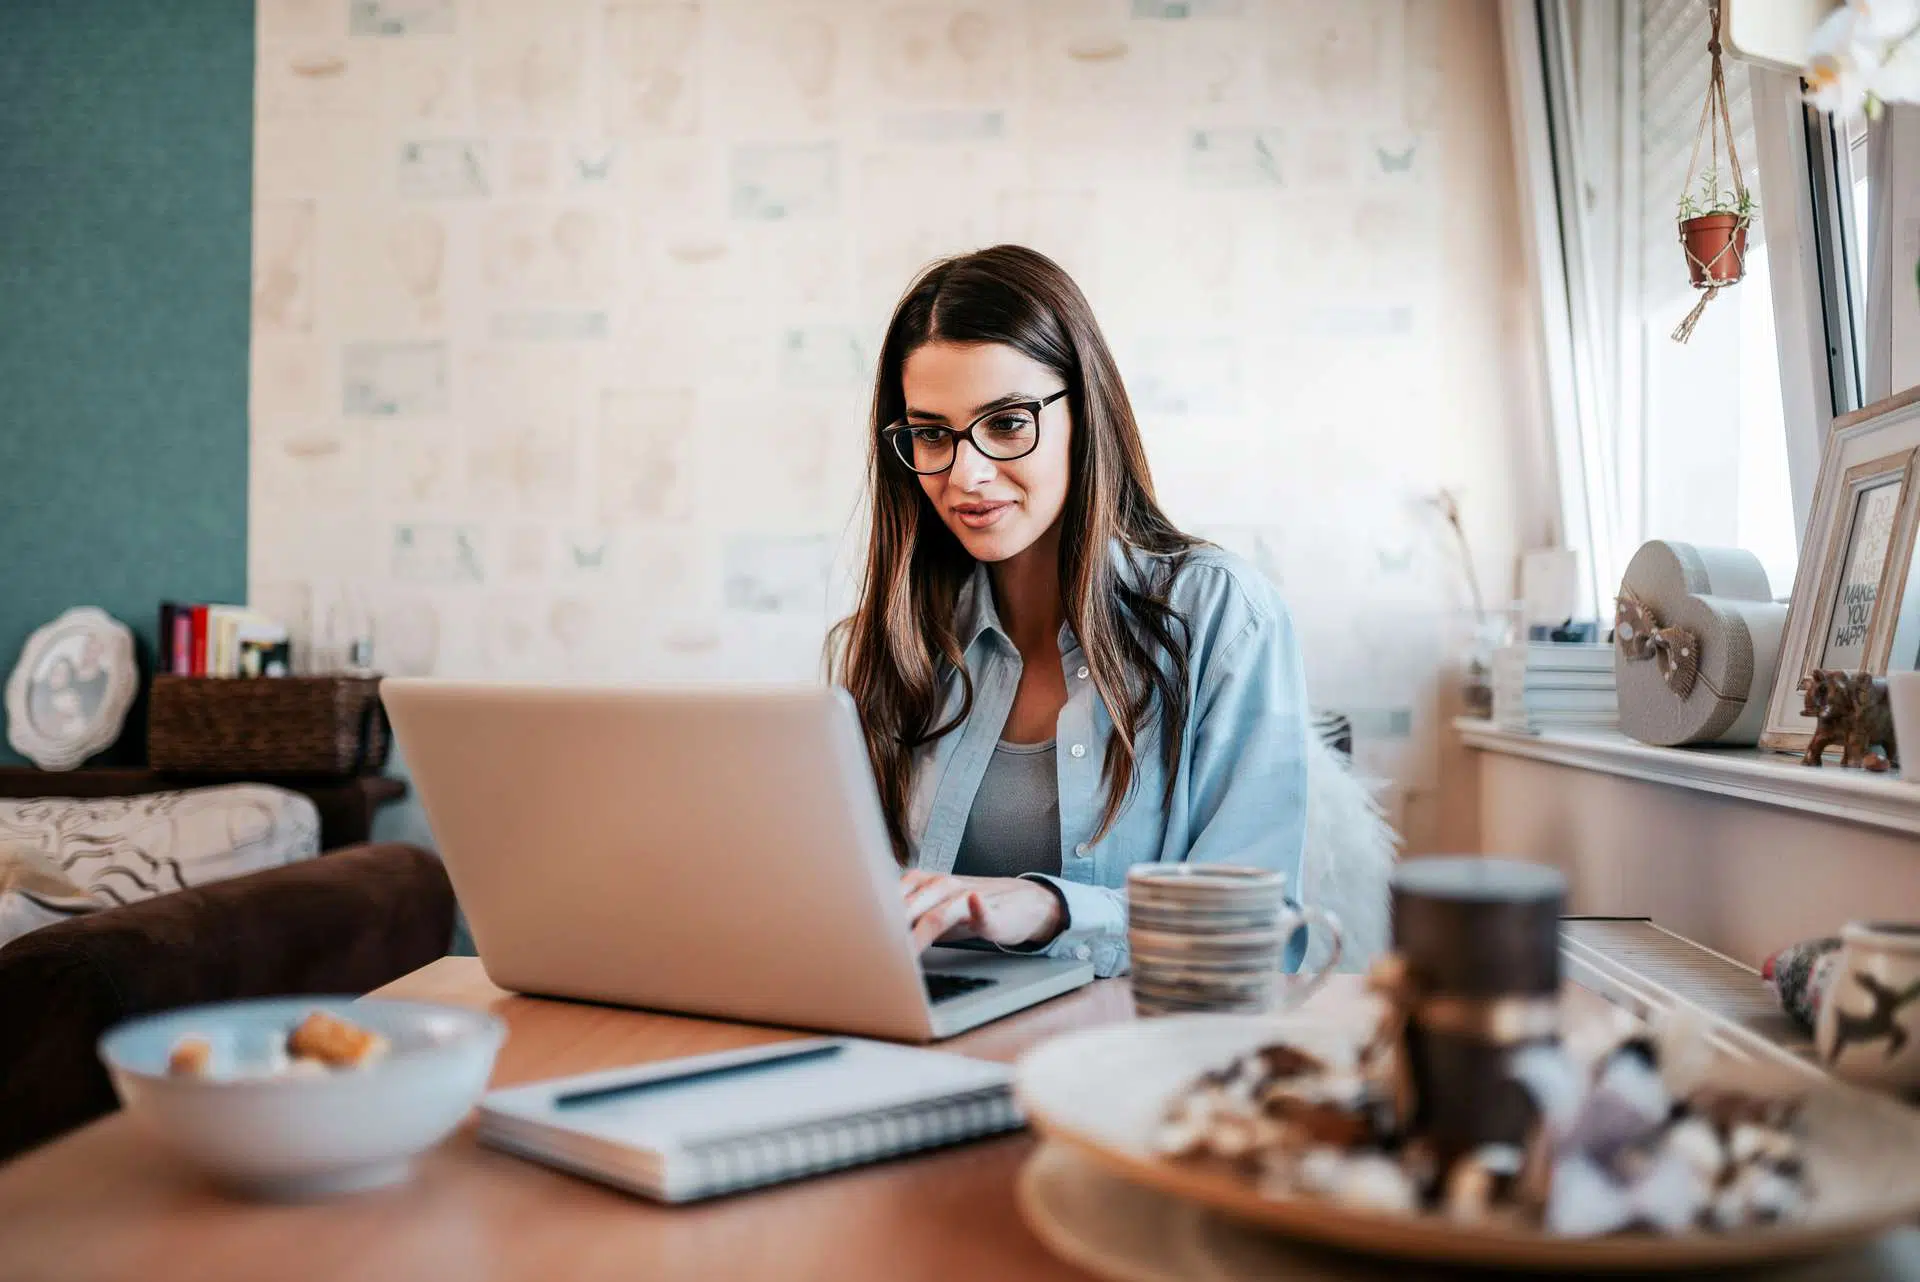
x=1710 y=259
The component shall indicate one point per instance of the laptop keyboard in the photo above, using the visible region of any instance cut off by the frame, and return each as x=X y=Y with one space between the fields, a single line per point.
x=944 y=988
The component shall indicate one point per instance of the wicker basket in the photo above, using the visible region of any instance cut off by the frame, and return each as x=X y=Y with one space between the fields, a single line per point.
x=267 y=726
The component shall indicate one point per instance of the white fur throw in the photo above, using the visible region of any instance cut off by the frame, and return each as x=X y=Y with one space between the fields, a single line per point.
x=1350 y=853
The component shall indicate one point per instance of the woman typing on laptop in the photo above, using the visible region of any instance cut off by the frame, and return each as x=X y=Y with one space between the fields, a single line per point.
x=1054 y=682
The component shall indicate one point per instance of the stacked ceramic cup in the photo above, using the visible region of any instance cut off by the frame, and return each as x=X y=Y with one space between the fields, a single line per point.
x=1212 y=937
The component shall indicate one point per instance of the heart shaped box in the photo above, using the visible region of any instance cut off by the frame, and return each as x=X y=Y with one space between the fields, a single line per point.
x=1721 y=596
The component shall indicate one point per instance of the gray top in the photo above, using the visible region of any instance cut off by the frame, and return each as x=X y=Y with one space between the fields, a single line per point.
x=1014 y=826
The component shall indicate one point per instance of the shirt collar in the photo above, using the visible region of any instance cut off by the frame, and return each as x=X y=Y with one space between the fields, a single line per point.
x=974 y=612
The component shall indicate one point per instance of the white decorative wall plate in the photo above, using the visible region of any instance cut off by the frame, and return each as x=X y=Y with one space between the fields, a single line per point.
x=68 y=696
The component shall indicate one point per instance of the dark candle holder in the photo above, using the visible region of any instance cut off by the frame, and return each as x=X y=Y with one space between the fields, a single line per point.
x=1474 y=976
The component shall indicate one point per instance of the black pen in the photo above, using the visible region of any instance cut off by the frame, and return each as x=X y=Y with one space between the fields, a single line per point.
x=597 y=1093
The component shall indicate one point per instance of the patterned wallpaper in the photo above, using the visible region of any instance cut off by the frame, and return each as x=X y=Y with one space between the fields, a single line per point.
x=565 y=312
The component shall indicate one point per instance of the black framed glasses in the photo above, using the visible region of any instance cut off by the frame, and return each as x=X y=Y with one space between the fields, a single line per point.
x=1004 y=433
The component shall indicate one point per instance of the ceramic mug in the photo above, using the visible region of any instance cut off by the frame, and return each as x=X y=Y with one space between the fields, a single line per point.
x=1869 y=1028
x=1210 y=937
x=1903 y=699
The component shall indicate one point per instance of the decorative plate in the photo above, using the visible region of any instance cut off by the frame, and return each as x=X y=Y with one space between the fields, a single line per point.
x=1128 y=1233
x=68 y=696
x=1101 y=1092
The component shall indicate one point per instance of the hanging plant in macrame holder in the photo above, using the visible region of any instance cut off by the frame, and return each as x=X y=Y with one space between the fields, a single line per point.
x=1716 y=211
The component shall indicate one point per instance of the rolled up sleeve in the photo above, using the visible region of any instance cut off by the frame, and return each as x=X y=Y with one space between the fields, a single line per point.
x=1096 y=924
x=1249 y=772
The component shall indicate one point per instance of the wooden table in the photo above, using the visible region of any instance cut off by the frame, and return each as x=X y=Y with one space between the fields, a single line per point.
x=105 y=1202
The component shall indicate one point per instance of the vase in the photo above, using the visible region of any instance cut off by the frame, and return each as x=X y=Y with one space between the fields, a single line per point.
x=1490 y=634
x=1869 y=1026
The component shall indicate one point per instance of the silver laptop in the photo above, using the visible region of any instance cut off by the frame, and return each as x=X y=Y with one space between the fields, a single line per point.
x=715 y=850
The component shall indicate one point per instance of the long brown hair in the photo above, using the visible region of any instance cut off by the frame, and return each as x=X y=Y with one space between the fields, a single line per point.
x=894 y=653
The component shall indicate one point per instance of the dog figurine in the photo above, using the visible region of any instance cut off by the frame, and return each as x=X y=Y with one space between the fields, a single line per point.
x=1850 y=709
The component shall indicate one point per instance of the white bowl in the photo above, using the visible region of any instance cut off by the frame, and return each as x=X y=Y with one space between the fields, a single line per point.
x=301 y=1136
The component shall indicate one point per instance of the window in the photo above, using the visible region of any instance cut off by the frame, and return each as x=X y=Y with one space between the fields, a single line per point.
x=1693 y=442
x=1855 y=180
x=1846 y=241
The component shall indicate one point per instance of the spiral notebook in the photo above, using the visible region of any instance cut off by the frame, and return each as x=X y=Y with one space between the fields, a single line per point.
x=685 y=1129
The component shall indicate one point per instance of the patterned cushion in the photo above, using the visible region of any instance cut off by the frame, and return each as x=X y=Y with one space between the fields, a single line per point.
x=120 y=850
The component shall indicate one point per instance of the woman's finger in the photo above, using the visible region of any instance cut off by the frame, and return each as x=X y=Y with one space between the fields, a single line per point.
x=914 y=878
x=933 y=893
x=929 y=927
x=932 y=900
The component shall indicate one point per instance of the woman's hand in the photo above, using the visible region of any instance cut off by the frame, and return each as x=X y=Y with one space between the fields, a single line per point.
x=1001 y=910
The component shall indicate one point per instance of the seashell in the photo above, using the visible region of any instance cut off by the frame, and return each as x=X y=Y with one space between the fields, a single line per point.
x=1584 y=1201
x=1282 y=1062
x=1180 y=1137
x=1756 y=1195
x=1554 y=1083
x=1327 y=1124
x=1375 y=1182
x=1696 y=1142
x=1481 y=1181
x=1772 y=1197
x=1627 y=1106
x=1750 y=1143
x=1319 y=1170
x=1670 y=1194
x=1727 y=1210
x=1370 y=1180
x=1241 y=1083
x=1232 y=1137
x=1728 y=1108
x=1346 y=1088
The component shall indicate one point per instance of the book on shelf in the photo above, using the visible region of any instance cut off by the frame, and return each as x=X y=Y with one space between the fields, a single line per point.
x=1525 y=722
x=1583 y=701
x=1531 y=699
x=1559 y=656
x=1560 y=679
x=198 y=639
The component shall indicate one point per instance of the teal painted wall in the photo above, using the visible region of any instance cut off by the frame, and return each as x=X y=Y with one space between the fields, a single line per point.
x=126 y=155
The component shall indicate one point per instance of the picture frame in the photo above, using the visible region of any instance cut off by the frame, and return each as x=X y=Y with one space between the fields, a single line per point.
x=1855 y=603
x=68 y=696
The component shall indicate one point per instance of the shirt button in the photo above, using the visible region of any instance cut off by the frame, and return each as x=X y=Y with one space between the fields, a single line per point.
x=1083 y=953
x=1082 y=674
x=1081 y=849
x=1078 y=750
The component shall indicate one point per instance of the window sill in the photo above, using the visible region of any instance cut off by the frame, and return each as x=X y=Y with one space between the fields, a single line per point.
x=1748 y=774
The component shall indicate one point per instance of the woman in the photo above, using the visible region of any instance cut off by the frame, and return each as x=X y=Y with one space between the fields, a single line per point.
x=1054 y=682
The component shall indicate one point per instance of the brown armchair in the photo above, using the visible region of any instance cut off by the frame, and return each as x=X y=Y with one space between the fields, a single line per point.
x=356 y=918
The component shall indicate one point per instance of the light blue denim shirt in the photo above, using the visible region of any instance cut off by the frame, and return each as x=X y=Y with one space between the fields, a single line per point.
x=1240 y=782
